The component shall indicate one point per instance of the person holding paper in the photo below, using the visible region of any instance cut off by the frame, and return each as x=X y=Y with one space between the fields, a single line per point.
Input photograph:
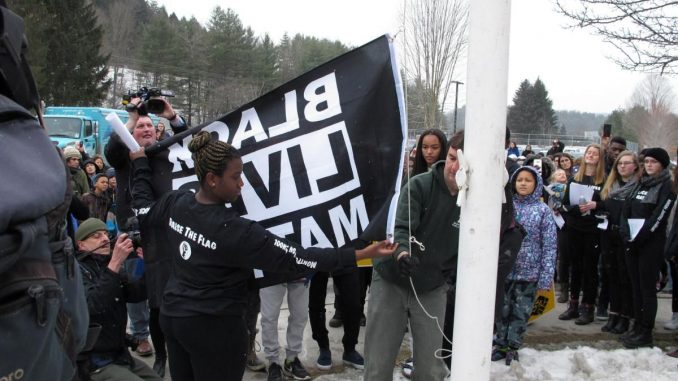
x=143 y=133
x=618 y=187
x=647 y=208
x=581 y=201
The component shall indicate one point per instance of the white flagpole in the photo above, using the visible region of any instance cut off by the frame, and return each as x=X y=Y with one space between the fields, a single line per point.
x=486 y=96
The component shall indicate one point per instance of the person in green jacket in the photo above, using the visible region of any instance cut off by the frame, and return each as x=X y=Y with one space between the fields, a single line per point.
x=78 y=176
x=427 y=228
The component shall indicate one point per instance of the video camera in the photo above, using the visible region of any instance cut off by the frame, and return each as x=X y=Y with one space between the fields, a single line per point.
x=151 y=103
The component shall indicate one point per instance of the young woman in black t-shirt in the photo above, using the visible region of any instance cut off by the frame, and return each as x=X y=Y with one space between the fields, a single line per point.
x=212 y=251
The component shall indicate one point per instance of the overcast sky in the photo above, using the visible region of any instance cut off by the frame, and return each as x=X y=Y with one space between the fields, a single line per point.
x=572 y=63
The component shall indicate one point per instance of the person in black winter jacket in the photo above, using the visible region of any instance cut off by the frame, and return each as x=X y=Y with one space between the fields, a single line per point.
x=116 y=152
x=618 y=186
x=643 y=228
x=583 y=236
x=108 y=289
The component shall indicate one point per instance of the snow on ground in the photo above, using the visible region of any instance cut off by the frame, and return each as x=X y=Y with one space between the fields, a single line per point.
x=580 y=364
x=586 y=363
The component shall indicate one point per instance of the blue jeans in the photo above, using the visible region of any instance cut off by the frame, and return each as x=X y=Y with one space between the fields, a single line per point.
x=139 y=316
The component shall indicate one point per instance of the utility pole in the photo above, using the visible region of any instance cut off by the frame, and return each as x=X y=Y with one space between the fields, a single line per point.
x=456 y=96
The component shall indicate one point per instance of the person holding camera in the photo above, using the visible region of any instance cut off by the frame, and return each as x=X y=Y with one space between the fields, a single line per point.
x=108 y=288
x=143 y=130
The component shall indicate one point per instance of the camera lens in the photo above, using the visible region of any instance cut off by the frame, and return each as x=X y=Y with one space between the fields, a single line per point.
x=155 y=106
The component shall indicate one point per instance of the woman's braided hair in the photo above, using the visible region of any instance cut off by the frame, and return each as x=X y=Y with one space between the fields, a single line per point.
x=210 y=155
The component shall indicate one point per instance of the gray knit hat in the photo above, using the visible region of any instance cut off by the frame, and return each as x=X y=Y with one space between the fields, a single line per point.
x=72 y=152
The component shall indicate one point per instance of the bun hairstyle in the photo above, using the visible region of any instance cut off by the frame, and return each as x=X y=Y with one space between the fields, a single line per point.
x=210 y=155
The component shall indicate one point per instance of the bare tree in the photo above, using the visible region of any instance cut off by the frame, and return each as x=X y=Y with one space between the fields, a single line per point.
x=644 y=32
x=649 y=114
x=435 y=39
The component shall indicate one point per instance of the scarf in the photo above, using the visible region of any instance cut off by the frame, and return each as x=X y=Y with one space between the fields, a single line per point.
x=620 y=190
x=650 y=184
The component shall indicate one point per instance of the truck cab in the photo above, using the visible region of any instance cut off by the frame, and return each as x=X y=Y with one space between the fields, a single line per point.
x=69 y=130
x=69 y=125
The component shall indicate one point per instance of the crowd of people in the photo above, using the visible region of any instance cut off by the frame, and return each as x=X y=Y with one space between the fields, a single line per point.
x=615 y=209
x=596 y=225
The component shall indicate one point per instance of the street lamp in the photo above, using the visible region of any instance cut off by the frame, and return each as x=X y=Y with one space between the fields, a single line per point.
x=456 y=95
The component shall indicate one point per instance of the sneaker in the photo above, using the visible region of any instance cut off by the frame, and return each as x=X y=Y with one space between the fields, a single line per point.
x=274 y=372
x=673 y=323
x=354 y=359
x=295 y=370
x=144 y=349
x=408 y=367
x=324 y=361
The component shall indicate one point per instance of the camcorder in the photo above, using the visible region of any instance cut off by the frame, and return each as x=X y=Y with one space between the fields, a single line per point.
x=151 y=101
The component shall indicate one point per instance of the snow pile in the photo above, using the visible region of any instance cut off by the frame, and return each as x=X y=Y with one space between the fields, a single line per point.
x=586 y=363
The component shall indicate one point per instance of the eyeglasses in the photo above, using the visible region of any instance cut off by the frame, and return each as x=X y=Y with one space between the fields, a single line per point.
x=622 y=163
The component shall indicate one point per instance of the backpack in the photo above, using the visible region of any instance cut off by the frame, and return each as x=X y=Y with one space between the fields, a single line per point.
x=43 y=310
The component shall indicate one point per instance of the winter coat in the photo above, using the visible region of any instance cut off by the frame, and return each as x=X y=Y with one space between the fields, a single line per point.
x=79 y=181
x=117 y=155
x=651 y=200
x=671 y=246
x=98 y=205
x=429 y=213
x=107 y=294
x=537 y=257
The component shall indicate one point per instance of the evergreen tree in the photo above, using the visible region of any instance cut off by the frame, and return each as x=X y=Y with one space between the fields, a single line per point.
x=265 y=65
x=532 y=110
x=66 y=40
x=546 y=119
x=519 y=113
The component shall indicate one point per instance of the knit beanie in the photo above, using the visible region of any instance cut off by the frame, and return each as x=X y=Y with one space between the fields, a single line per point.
x=89 y=227
x=72 y=152
x=658 y=154
x=97 y=177
x=110 y=172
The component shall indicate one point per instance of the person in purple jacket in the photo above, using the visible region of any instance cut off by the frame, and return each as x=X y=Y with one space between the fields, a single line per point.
x=534 y=266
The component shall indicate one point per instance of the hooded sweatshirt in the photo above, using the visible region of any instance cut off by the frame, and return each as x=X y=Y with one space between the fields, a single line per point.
x=537 y=257
x=429 y=213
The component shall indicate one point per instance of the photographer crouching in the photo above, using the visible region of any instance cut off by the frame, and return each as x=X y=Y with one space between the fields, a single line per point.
x=139 y=104
x=109 y=287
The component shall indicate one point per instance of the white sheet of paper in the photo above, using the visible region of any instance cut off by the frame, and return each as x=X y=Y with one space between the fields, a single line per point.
x=603 y=224
x=579 y=190
x=125 y=136
x=559 y=220
x=635 y=224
